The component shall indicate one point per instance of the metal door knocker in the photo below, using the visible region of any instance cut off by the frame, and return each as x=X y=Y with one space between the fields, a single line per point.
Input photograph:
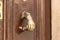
x=28 y=23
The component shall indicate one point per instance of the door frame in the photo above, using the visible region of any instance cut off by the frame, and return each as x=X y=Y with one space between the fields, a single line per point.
x=43 y=8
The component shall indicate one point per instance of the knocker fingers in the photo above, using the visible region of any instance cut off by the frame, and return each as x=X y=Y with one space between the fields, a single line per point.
x=31 y=27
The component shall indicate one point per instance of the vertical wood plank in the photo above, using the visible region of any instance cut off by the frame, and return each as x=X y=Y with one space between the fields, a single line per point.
x=9 y=19
x=4 y=16
x=48 y=19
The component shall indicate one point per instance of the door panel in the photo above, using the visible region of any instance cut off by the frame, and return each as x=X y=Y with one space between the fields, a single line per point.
x=19 y=7
x=12 y=19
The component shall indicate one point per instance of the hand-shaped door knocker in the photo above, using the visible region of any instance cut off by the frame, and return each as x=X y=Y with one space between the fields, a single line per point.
x=28 y=23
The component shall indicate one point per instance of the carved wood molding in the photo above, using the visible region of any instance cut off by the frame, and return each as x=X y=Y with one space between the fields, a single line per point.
x=44 y=19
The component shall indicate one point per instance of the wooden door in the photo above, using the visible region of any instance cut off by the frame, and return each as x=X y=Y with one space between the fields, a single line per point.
x=40 y=12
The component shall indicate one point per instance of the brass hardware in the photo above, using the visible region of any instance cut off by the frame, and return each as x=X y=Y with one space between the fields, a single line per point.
x=1 y=10
x=28 y=23
x=24 y=0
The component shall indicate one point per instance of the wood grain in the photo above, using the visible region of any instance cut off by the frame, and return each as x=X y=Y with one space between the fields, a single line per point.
x=40 y=11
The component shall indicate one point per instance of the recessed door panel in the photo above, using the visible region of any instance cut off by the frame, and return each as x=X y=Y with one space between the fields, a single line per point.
x=20 y=6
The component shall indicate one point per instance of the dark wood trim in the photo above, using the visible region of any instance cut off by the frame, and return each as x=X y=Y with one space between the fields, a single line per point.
x=48 y=19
